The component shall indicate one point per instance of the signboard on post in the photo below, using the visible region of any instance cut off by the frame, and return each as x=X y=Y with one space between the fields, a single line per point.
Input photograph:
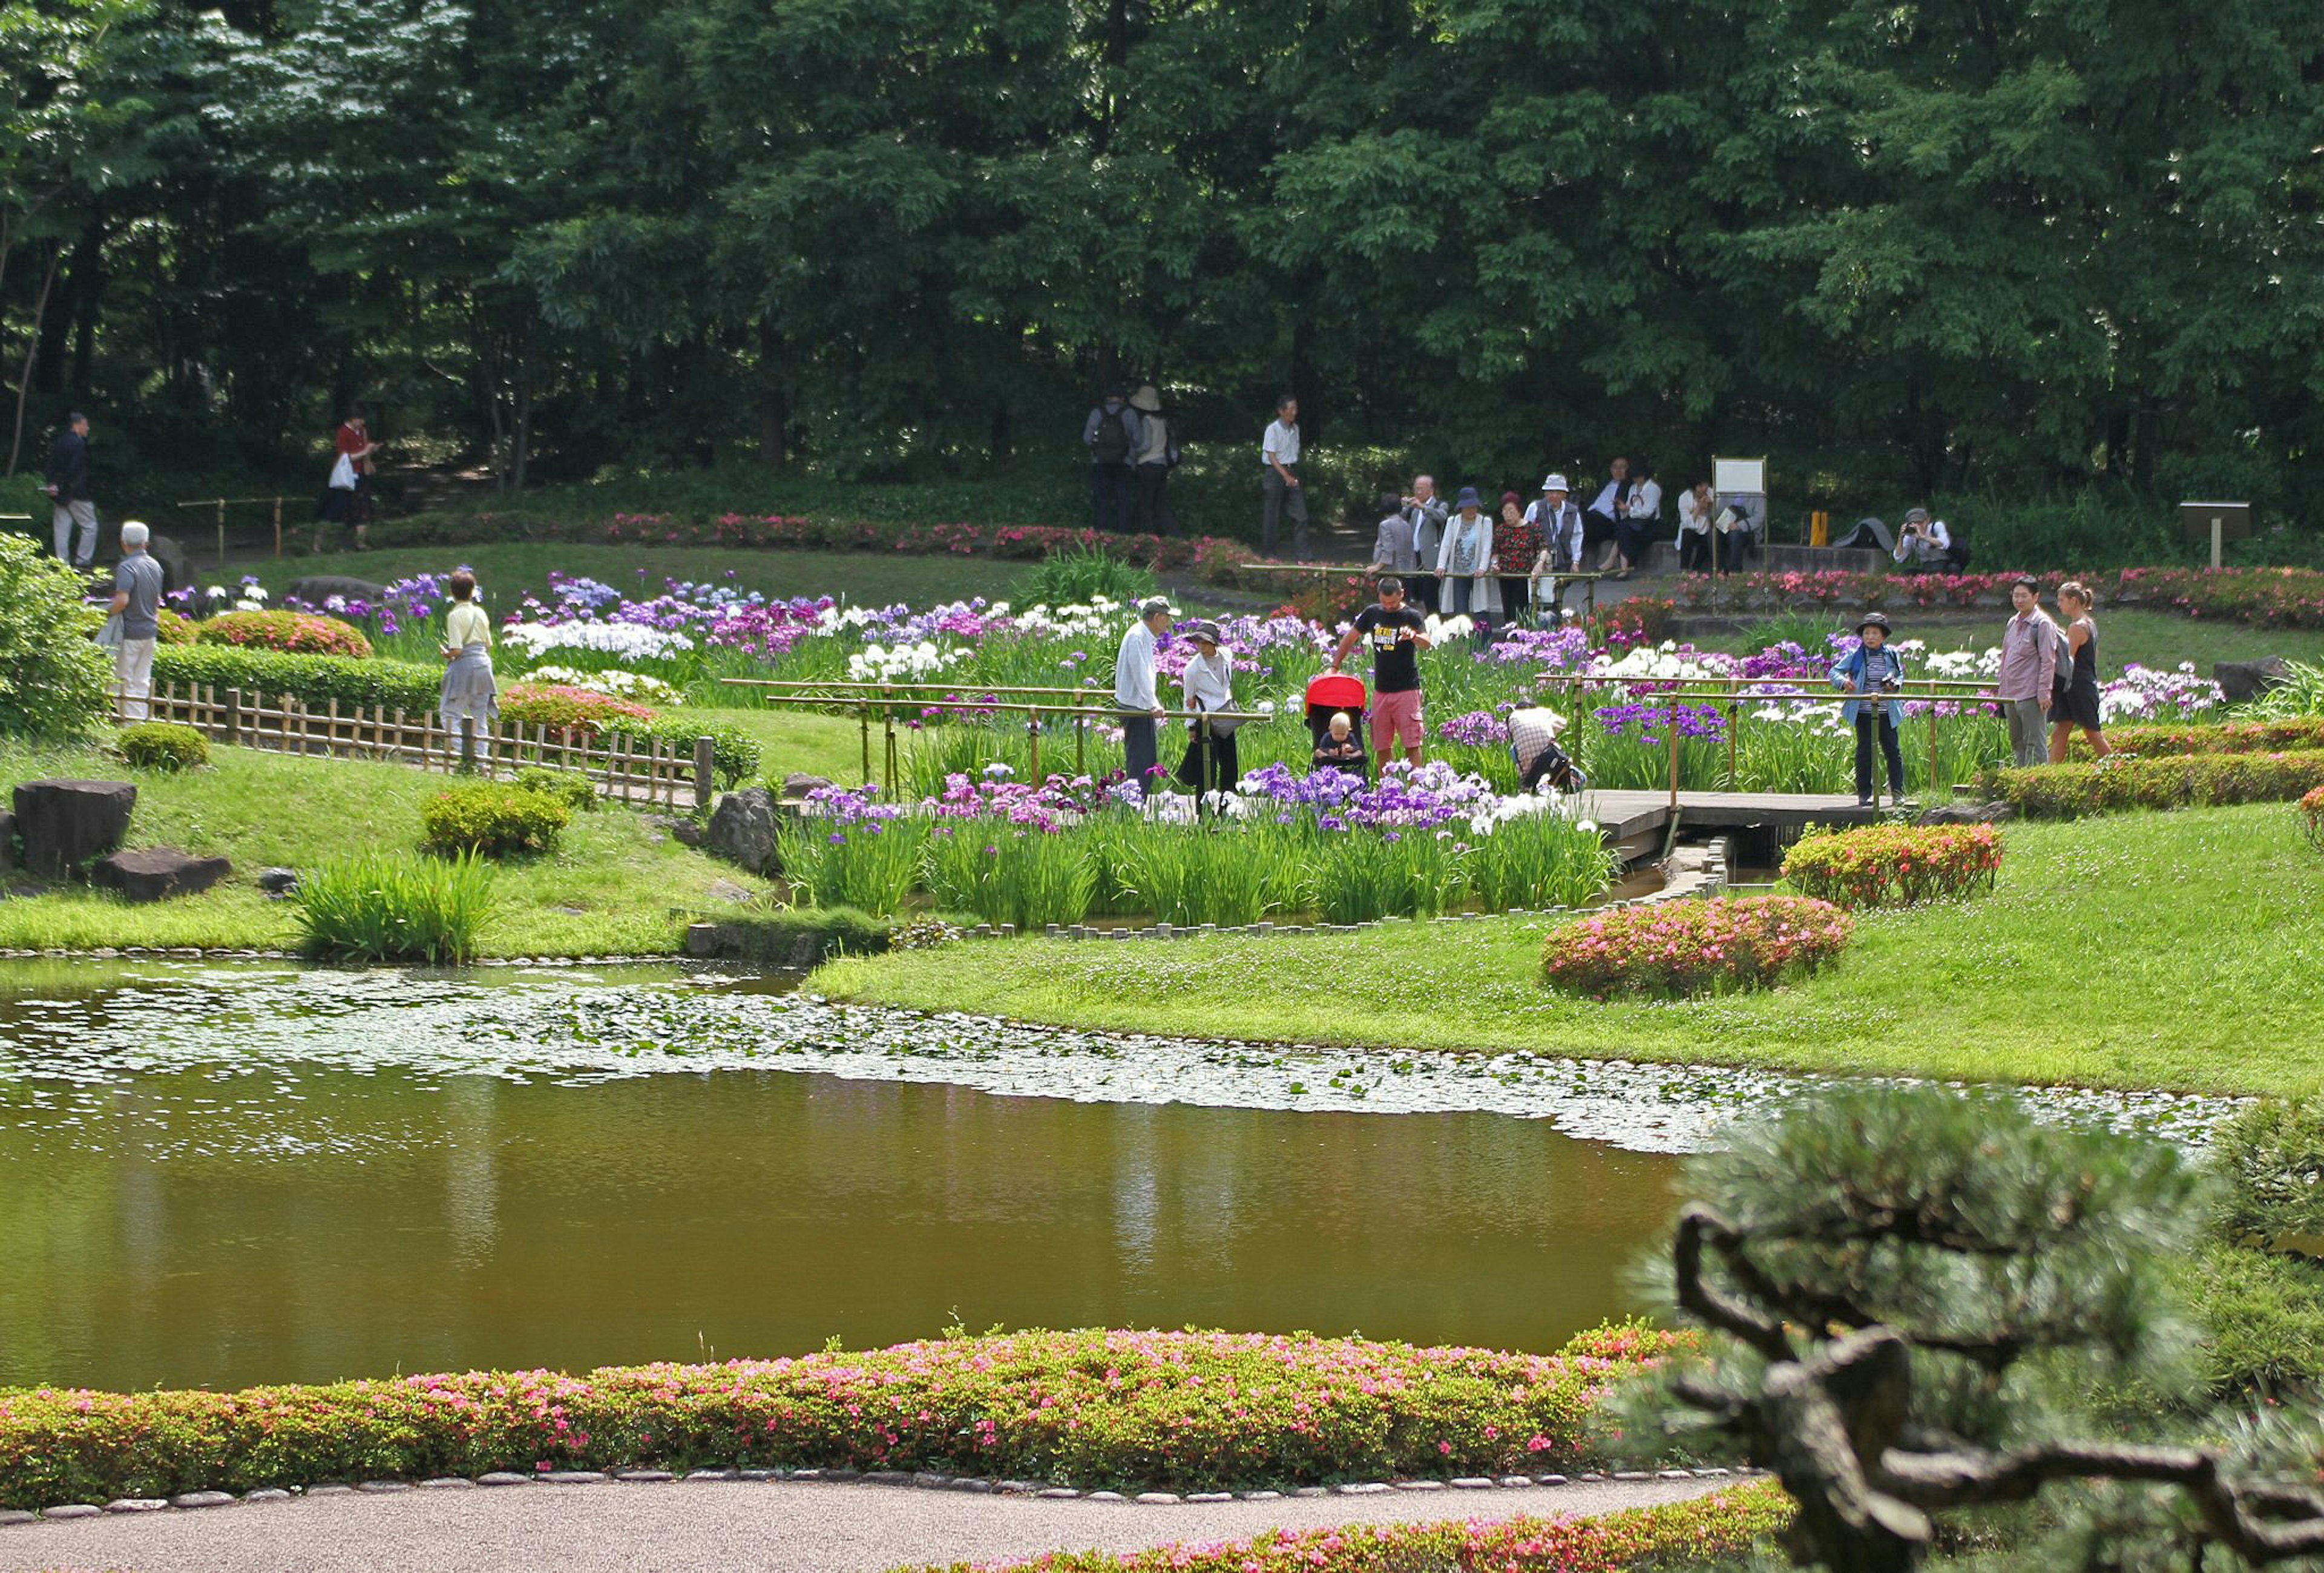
x=2219 y=523
x=1740 y=483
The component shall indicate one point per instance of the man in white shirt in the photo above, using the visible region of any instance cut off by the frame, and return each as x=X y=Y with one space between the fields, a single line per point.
x=1602 y=525
x=1133 y=689
x=1926 y=544
x=1425 y=512
x=1279 y=451
x=1559 y=523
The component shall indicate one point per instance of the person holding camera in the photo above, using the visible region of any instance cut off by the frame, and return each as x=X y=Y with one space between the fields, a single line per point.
x=1926 y=544
x=1873 y=676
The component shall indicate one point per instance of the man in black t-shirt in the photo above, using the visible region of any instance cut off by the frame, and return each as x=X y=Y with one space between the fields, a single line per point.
x=1397 y=635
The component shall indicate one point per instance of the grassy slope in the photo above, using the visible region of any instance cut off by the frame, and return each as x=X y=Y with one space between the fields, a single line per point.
x=2182 y=951
x=611 y=888
x=508 y=569
x=2152 y=639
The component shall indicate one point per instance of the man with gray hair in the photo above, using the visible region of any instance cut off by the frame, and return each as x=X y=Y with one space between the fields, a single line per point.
x=1134 y=694
x=137 y=602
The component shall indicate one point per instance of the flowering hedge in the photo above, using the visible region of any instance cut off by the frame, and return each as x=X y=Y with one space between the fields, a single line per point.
x=2311 y=809
x=291 y=632
x=562 y=708
x=171 y=629
x=1672 y=1535
x=2233 y=737
x=1685 y=947
x=1194 y=1410
x=1877 y=864
x=2195 y=781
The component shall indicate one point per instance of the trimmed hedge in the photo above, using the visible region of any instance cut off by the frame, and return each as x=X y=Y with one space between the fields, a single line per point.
x=2194 y=780
x=1675 y=949
x=1875 y=865
x=295 y=633
x=561 y=708
x=1677 y=1534
x=493 y=819
x=1167 y=1409
x=2296 y=731
x=316 y=680
x=162 y=745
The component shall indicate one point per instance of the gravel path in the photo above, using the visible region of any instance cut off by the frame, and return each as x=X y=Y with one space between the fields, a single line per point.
x=772 y=1527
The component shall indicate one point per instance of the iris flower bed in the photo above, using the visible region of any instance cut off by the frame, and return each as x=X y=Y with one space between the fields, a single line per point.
x=1675 y=949
x=1678 y=1534
x=1185 y=1410
x=2195 y=781
x=1877 y=865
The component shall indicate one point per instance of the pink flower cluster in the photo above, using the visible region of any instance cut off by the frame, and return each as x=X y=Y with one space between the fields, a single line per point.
x=1686 y=947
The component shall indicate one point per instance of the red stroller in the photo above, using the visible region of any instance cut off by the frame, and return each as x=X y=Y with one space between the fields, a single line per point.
x=1333 y=693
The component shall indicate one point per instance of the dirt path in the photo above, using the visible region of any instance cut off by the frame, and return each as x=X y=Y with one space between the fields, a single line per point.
x=763 y=1527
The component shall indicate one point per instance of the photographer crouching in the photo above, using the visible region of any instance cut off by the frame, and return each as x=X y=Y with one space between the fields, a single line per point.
x=1873 y=675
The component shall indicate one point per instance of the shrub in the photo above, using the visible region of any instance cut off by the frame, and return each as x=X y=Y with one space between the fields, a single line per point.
x=735 y=753
x=1079 y=574
x=566 y=709
x=492 y=819
x=569 y=787
x=1168 y=1409
x=169 y=628
x=163 y=746
x=292 y=633
x=1636 y=620
x=315 y=681
x=2311 y=809
x=1685 y=947
x=1878 y=863
x=392 y=906
x=1678 y=1534
x=2066 y=791
x=53 y=683
x=2271 y=736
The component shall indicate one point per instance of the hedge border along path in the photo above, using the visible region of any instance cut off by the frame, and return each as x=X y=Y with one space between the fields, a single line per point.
x=2178 y=781
x=1209 y=1411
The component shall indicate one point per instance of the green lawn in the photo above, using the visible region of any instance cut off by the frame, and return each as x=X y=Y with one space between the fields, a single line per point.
x=509 y=569
x=618 y=885
x=2151 y=639
x=2151 y=951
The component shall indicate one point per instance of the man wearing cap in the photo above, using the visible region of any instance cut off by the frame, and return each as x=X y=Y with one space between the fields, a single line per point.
x=1397 y=634
x=137 y=602
x=1560 y=524
x=1112 y=433
x=1926 y=544
x=67 y=487
x=1872 y=674
x=1133 y=691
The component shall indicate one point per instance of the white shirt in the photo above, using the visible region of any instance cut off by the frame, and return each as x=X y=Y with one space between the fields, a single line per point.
x=467 y=624
x=1209 y=682
x=1133 y=671
x=1936 y=543
x=1559 y=532
x=1693 y=516
x=1605 y=503
x=1645 y=501
x=1281 y=444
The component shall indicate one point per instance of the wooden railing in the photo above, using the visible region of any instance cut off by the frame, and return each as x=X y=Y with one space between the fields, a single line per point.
x=649 y=771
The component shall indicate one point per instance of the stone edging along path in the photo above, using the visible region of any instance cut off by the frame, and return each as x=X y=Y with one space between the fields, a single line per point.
x=195 y=1500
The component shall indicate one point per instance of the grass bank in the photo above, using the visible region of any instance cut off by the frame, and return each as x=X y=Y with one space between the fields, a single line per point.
x=2127 y=635
x=619 y=885
x=2179 y=950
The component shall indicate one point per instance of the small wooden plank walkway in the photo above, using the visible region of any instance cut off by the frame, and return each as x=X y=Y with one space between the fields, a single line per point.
x=1635 y=822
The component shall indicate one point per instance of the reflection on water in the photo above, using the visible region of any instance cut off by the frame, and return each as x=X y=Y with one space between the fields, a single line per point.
x=225 y=1224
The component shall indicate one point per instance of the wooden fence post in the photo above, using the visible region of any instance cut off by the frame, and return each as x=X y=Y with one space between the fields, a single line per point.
x=705 y=771
x=234 y=716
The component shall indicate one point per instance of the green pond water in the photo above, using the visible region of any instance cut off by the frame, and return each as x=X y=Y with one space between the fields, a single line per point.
x=229 y=1180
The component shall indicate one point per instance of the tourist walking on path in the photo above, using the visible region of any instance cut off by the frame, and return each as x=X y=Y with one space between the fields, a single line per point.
x=1392 y=545
x=137 y=602
x=1872 y=674
x=1464 y=563
x=2074 y=698
x=1279 y=450
x=1427 y=513
x=1517 y=547
x=1112 y=434
x=2033 y=649
x=1134 y=694
x=347 y=498
x=1157 y=456
x=1209 y=764
x=1698 y=506
x=67 y=487
x=1397 y=635
x=1641 y=515
x=470 y=697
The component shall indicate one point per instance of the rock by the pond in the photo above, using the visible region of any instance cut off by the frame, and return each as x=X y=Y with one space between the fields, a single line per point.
x=317 y=588
x=7 y=842
x=686 y=829
x=743 y=828
x=67 y=824
x=2242 y=681
x=726 y=889
x=154 y=874
x=1966 y=814
x=799 y=783
x=278 y=882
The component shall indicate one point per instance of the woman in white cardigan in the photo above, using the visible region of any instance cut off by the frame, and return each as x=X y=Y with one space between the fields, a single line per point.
x=1208 y=683
x=1464 y=563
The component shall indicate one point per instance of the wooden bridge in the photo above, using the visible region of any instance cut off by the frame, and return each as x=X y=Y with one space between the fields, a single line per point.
x=1637 y=823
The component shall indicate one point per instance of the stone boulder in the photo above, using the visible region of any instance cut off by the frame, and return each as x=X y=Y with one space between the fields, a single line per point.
x=155 y=873
x=1966 y=814
x=177 y=567
x=66 y=824
x=742 y=830
x=7 y=843
x=317 y=588
x=278 y=882
x=2245 y=680
x=799 y=784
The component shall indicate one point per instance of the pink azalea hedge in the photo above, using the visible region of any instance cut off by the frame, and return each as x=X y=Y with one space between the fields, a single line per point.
x=293 y=632
x=1686 y=947
x=1194 y=1411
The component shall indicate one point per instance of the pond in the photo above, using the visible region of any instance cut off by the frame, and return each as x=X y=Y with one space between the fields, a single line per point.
x=219 y=1175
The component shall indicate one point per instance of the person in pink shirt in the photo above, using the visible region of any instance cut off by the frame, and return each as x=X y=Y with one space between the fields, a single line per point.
x=2031 y=649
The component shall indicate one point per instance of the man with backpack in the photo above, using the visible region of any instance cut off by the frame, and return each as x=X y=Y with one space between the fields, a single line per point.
x=1112 y=434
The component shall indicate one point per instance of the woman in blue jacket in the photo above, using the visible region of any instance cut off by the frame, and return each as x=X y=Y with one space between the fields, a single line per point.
x=1872 y=674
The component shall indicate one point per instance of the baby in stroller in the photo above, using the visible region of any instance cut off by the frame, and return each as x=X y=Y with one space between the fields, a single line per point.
x=1338 y=747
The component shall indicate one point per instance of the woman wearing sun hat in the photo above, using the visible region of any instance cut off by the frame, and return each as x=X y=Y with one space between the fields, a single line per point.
x=1208 y=683
x=1873 y=674
x=1465 y=562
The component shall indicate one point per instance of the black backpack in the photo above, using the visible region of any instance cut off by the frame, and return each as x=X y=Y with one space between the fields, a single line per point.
x=1111 y=443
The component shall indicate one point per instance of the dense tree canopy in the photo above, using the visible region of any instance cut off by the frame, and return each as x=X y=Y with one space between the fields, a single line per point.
x=1962 y=242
